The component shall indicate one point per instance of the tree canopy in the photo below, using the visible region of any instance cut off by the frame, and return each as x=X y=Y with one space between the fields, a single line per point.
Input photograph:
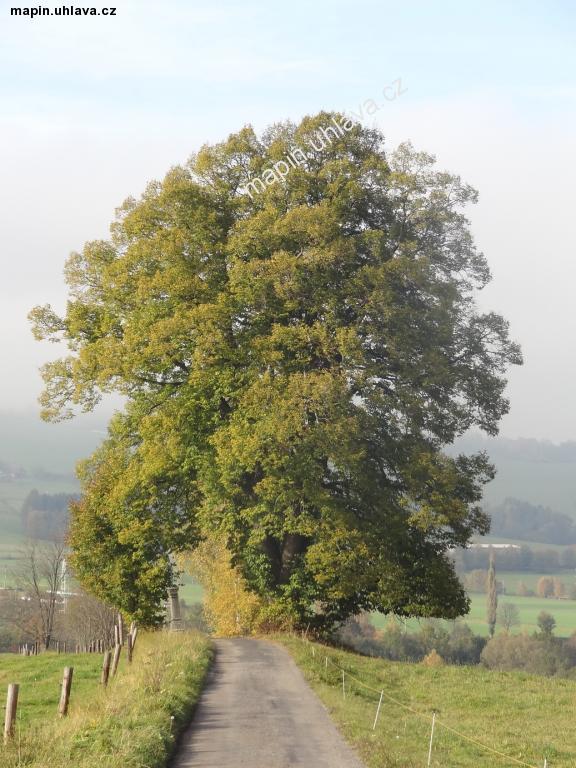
x=292 y=364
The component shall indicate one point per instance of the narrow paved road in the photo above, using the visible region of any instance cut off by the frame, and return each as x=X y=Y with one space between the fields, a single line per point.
x=257 y=711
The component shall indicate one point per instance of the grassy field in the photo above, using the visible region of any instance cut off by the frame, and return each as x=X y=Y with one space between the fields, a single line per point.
x=39 y=677
x=511 y=579
x=507 y=712
x=128 y=725
x=564 y=611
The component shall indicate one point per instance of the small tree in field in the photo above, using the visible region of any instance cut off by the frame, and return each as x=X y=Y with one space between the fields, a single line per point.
x=508 y=616
x=559 y=589
x=476 y=580
x=546 y=624
x=545 y=587
x=523 y=590
x=41 y=576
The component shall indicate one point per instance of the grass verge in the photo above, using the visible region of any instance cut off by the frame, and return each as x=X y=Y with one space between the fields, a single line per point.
x=524 y=717
x=134 y=723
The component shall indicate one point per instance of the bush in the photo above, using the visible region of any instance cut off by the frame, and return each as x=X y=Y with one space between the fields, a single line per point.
x=546 y=623
x=231 y=608
x=433 y=659
x=457 y=645
x=536 y=655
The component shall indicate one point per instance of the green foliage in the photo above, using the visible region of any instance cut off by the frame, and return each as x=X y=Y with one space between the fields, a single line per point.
x=293 y=365
x=131 y=516
x=546 y=623
x=456 y=644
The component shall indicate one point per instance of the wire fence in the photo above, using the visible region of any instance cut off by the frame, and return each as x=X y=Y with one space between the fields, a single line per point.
x=345 y=679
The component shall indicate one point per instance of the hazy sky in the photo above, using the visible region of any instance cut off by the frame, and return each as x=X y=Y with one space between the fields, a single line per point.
x=93 y=108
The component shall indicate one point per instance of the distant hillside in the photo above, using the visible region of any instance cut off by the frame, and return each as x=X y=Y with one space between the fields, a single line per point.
x=537 y=471
x=29 y=443
x=36 y=455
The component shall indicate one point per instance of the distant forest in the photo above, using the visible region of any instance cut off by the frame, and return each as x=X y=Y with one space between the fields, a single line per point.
x=516 y=519
x=45 y=515
x=519 y=449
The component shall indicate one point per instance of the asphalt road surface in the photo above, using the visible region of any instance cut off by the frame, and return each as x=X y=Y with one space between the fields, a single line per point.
x=257 y=711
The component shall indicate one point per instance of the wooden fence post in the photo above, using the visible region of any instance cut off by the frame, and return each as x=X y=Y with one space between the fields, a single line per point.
x=106 y=668
x=129 y=648
x=65 y=694
x=116 y=659
x=120 y=629
x=11 y=707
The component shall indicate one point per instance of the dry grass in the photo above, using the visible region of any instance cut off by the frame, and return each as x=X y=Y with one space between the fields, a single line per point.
x=132 y=724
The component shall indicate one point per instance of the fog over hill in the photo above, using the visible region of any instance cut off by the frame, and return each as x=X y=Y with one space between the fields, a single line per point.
x=28 y=442
x=537 y=471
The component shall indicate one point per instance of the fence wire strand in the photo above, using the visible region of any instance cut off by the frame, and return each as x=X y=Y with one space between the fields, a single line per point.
x=424 y=716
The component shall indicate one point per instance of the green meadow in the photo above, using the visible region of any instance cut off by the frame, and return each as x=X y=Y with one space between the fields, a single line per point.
x=564 y=611
x=484 y=718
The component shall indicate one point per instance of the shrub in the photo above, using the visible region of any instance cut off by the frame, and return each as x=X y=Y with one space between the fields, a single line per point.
x=433 y=659
x=457 y=645
x=546 y=623
x=541 y=656
x=231 y=608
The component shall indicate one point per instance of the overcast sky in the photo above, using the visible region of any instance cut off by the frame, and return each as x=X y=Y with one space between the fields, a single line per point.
x=91 y=108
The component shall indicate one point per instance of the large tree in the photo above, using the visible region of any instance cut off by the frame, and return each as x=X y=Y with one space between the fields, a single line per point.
x=293 y=361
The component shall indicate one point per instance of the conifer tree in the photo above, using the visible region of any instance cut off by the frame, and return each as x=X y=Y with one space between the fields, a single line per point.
x=492 y=599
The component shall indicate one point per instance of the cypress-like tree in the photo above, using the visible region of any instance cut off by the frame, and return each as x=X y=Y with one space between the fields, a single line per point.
x=492 y=599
